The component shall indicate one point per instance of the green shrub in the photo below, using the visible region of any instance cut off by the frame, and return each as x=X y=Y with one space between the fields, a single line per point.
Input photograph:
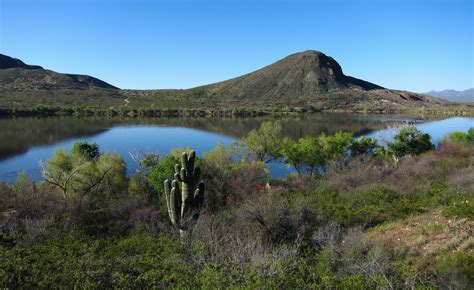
x=455 y=269
x=459 y=137
x=264 y=144
x=460 y=205
x=365 y=145
x=78 y=261
x=410 y=141
x=305 y=154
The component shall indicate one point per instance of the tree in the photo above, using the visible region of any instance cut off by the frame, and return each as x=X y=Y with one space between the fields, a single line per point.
x=264 y=144
x=335 y=146
x=84 y=172
x=410 y=141
x=306 y=153
x=365 y=145
x=470 y=135
x=461 y=137
x=89 y=151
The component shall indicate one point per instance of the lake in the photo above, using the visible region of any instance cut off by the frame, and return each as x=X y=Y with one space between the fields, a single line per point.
x=27 y=141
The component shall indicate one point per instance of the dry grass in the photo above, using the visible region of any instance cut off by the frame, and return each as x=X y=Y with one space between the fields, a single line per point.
x=427 y=234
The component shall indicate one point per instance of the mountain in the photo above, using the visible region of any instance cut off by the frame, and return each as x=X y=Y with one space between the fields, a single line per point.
x=304 y=80
x=298 y=75
x=308 y=78
x=15 y=74
x=10 y=62
x=466 y=96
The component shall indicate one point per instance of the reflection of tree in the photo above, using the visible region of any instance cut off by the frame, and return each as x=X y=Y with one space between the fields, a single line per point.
x=23 y=133
x=19 y=134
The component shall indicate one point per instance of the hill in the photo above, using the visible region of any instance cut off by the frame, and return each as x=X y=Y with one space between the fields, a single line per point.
x=10 y=62
x=302 y=74
x=466 y=96
x=15 y=74
x=308 y=80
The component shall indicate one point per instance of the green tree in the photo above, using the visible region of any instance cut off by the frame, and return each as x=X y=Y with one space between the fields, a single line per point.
x=410 y=141
x=306 y=153
x=335 y=146
x=461 y=137
x=264 y=143
x=365 y=145
x=84 y=172
x=470 y=135
x=89 y=151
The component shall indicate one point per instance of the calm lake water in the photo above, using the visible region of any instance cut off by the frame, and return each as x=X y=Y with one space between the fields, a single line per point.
x=24 y=142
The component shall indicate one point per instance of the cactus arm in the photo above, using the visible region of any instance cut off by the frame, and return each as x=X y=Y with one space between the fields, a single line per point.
x=191 y=159
x=199 y=195
x=177 y=176
x=167 y=196
x=174 y=204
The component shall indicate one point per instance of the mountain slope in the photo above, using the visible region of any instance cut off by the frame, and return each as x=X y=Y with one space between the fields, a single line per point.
x=454 y=96
x=306 y=80
x=15 y=74
x=298 y=75
x=10 y=62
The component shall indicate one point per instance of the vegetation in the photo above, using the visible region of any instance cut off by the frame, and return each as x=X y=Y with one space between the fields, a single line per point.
x=184 y=204
x=410 y=141
x=350 y=218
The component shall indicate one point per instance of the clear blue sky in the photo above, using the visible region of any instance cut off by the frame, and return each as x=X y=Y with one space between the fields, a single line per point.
x=413 y=45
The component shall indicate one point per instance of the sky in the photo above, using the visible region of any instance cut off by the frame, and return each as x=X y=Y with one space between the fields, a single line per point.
x=415 y=45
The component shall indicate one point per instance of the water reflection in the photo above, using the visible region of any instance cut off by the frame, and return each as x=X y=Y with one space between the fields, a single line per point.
x=25 y=141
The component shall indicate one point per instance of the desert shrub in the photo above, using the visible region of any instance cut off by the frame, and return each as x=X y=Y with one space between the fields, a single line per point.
x=230 y=180
x=369 y=206
x=410 y=141
x=89 y=151
x=365 y=145
x=277 y=220
x=85 y=174
x=135 y=261
x=264 y=144
x=139 y=186
x=459 y=205
x=455 y=269
x=305 y=154
x=309 y=153
x=335 y=146
x=460 y=137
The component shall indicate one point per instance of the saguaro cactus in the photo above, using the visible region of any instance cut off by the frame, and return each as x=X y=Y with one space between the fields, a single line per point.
x=184 y=204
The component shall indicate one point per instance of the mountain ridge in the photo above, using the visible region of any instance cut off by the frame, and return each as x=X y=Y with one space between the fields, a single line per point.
x=15 y=73
x=308 y=80
x=454 y=95
x=299 y=74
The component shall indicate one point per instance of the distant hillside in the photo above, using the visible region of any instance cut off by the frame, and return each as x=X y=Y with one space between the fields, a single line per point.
x=304 y=74
x=308 y=80
x=15 y=74
x=10 y=62
x=466 y=96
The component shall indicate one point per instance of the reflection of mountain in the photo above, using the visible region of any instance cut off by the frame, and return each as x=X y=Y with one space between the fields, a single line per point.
x=23 y=133
x=293 y=126
x=18 y=135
